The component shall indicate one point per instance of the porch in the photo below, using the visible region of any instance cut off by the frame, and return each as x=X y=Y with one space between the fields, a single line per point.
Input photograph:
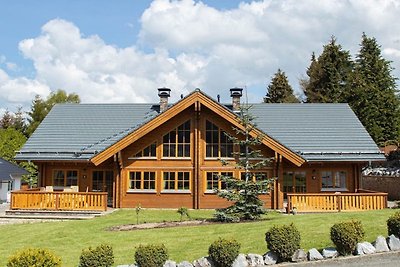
x=58 y=201
x=337 y=201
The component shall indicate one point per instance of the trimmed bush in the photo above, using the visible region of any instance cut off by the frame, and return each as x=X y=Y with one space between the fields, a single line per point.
x=34 y=257
x=346 y=235
x=101 y=256
x=223 y=252
x=151 y=255
x=284 y=240
x=393 y=224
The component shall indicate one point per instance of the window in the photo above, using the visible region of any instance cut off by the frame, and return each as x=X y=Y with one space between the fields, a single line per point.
x=176 y=180
x=213 y=181
x=142 y=180
x=294 y=182
x=65 y=178
x=176 y=143
x=218 y=144
x=102 y=181
x=148 y=152
x=332 y=180
x=257 y=176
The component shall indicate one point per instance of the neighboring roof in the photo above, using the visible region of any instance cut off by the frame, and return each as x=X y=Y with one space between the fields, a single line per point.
x=8 y=169
x=316 y=132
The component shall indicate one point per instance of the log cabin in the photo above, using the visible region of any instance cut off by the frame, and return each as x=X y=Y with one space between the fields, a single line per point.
x=166 y=155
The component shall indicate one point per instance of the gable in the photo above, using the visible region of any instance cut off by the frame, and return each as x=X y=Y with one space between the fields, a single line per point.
x=197 y=99
x=8 y=169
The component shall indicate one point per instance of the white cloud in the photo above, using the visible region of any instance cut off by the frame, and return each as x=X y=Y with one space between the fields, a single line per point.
x=195 y=45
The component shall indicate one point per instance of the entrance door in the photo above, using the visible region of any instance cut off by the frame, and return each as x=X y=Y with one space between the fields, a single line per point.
x=103 y=182
x=294 y=182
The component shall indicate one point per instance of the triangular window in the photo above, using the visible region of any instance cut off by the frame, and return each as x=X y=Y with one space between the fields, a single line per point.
x=147 y=152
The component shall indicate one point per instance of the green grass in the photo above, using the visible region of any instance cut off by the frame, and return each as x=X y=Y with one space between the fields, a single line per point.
x=67 y=239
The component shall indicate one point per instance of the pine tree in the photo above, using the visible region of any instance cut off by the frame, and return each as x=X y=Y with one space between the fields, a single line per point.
x=279 y=90
x=245 y=192
x=328 y=75
x=7 y=120
x=372 y=92
x=40 y=108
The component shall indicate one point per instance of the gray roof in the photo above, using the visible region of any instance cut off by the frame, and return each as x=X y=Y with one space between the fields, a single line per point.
x=317 y=132
x=7 y=169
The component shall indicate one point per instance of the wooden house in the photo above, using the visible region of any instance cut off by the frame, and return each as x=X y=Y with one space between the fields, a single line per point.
x=168 y=155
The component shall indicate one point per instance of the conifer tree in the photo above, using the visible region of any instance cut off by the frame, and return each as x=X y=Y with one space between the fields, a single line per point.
x=328 y=75
x=279 y=90
x=372 y=92
x=244 y=193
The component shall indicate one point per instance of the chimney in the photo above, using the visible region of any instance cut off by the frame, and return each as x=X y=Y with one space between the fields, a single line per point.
x=236 y=93
x=164 y=93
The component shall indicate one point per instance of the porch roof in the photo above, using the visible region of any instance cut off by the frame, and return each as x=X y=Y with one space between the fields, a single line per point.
x=316 y=132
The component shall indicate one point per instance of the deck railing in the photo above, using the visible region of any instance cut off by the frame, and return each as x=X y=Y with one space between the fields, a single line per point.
x=39 y=200
x=336 y=202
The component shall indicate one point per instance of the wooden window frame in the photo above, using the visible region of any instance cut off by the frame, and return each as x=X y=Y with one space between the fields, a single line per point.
x=220 y=135
x=294 y=172
x=175 y=180
x=141 y=154
x=65 y=178
x=254 y=177
x=104 y=178
x=335 y=178
x=142 y=181
x=176 y=144
x=217 y=180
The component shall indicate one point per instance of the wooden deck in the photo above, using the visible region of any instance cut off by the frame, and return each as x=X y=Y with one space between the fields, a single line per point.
x=73 y=201
x=336 y=202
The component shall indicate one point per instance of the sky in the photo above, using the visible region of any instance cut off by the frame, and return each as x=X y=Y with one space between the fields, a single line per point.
x=122 y=51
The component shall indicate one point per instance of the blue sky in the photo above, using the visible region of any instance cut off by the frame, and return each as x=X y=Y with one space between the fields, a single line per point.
x=121 y=51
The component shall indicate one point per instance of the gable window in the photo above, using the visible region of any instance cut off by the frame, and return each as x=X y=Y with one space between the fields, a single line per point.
x=333 y=180
x=141 y=180
x=65 y=178
x=218 y=144
x=213 y=181
x=177 y=181
x=176 y=143
x=147 y=152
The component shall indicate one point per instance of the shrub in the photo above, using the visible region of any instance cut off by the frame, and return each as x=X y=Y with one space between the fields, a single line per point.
x=393 y=224
x=151 y=255
x=34 y=257
x=346 y=235
x=223 y=252
x=101 y=256
x=183 y=211
x=284 y=240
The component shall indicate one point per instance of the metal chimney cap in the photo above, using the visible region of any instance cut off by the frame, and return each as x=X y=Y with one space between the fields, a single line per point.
x=164 y=92
x=236 y=92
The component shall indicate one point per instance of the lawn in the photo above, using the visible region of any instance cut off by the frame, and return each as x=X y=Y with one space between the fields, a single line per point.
x=68 y=238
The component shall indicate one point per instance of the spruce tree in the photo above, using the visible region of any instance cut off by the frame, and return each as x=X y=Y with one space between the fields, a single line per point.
x=279 y=90
x=244 y=193
x=328 y=75
x=372 y=92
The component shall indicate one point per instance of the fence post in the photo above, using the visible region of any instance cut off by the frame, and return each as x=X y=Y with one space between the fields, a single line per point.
x=339 y=201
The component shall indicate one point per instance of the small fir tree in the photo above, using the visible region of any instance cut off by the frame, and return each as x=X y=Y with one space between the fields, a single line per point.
x=244 y=193
x=279 y=90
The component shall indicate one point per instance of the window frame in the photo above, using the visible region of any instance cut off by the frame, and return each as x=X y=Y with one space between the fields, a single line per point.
x=175 y=180
x=136 y=156
x=218 y=180
x=65 y=178
x=221 y=134
x=254 y=177
x=177 y=144
x=334 y=181
x=142 y=181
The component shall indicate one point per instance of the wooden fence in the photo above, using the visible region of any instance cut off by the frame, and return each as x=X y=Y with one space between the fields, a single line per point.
x=39 y=200
x=336 y=202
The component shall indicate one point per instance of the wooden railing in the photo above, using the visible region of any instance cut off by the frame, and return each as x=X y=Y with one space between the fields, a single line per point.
x=336 y=202
x=39 y=200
